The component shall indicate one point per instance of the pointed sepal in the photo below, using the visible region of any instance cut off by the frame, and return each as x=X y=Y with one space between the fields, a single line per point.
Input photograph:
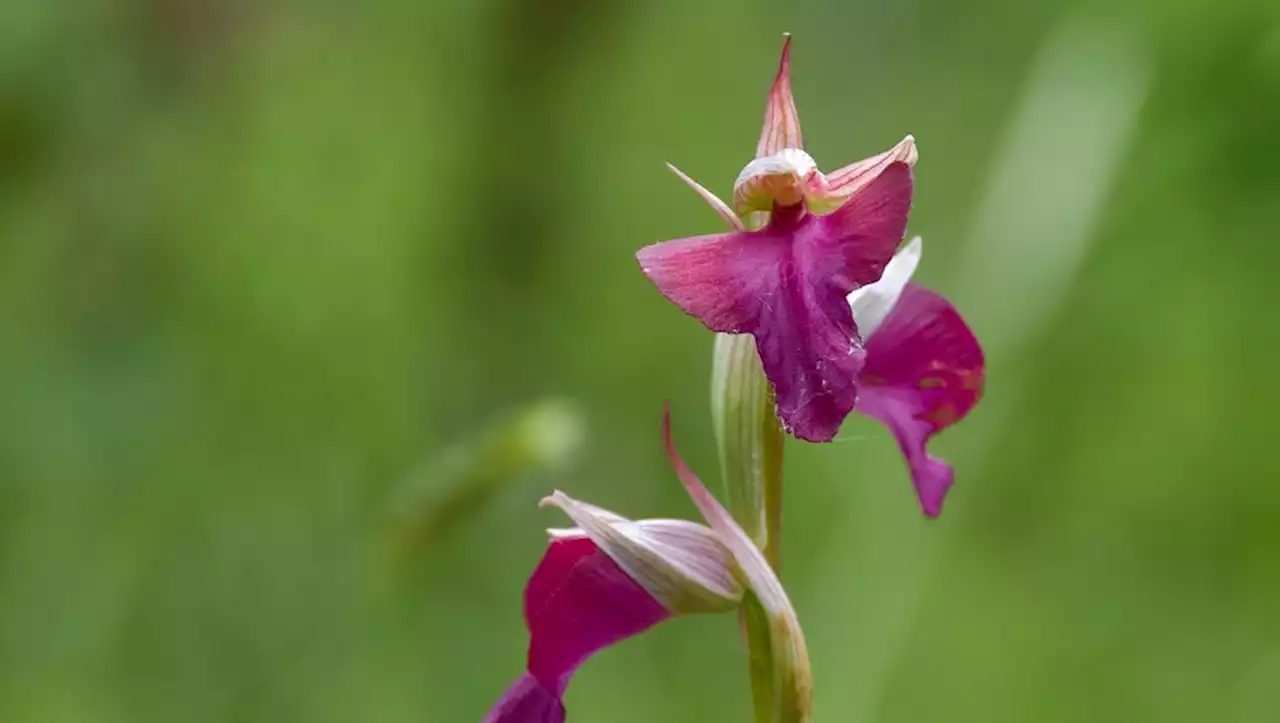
x=829 y=192
x=682 y=564
x=720 y=207
x=781 y=120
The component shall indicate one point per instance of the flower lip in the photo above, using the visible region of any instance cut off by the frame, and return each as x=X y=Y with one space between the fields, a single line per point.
x=577 y=602
x=924 y=372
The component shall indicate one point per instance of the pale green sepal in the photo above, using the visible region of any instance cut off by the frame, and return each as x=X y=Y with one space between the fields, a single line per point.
x=682 y=564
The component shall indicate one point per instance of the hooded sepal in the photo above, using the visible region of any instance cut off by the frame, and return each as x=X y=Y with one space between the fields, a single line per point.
x=785 y=178
x=682 y=564
x=791 y=176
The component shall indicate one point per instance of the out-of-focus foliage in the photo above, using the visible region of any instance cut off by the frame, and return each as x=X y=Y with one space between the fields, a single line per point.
x=262 y=262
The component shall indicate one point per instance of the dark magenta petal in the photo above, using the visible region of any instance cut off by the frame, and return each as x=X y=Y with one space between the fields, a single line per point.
x=787 y=284
x=924 y=371
x=527 y=701
x=577 y=602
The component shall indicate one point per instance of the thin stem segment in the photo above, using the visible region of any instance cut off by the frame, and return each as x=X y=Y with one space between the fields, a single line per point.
x=750 y=442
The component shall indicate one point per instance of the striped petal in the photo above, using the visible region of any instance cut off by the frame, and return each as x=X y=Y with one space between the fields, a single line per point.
x=826 y=193
x=681 y=564
x=781 y=121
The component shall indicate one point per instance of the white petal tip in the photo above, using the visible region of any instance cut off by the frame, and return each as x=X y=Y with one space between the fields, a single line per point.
x=555 y=499
x=907 y=151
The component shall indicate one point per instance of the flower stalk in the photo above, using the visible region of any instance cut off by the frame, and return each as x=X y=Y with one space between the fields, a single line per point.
x=783 y=694
x=816 y=317
x=750 y=439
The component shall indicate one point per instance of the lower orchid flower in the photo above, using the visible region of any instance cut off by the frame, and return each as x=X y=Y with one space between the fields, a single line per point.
x=610 y=578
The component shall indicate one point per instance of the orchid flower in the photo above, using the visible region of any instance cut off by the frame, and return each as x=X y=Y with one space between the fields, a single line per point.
x=815 y=239
x=924 y=369
x=610 y=578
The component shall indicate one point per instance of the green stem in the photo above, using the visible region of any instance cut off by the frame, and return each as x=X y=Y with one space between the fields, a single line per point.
x=750 y=441
x=756 y=634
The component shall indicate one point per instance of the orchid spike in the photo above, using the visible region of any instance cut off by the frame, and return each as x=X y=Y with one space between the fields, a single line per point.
x=924 y=369
x=786 y=283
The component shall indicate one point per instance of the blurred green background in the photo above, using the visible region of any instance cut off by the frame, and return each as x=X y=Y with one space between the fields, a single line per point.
x=273 y=275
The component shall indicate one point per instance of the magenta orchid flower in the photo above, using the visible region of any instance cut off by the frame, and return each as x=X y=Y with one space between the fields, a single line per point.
x=924 y=368
x=609 y=579
x=578 y=601
x=817 y=238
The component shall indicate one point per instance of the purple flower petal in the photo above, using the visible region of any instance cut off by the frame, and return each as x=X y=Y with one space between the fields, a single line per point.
x=924 y=371
x=577 y=602
x=844 y=182
x=527 y=701
x=786 y=284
